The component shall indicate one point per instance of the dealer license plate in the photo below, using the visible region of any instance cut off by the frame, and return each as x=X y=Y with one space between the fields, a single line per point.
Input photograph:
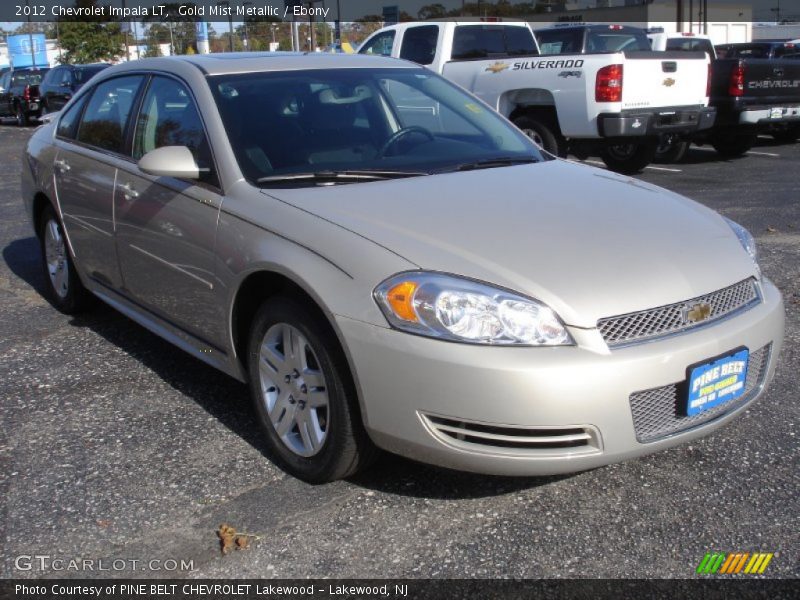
x=715 y=382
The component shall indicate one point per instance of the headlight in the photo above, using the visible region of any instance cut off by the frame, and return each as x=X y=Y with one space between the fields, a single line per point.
x=452 y=308
x=745 y=239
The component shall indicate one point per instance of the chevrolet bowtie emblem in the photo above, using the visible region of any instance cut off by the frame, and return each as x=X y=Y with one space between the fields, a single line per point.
x=497 y=67
x=669 y=82
x=698 y=312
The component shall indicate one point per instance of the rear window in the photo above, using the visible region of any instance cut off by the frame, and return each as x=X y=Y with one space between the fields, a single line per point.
x=560 y=41
x=28 y=77
x=748 y=51
x=489 y=41
x=691 y=45
x=84 y=74
x=601 y=41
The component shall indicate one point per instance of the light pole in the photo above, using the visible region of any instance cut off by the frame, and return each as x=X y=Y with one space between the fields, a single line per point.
x=30 y=34
x=227 y=5
x=244 y=23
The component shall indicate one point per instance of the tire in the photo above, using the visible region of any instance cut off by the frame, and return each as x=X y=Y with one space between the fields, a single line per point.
x=787 y=135
x=64 y=287
x=21 y=116
x=629 y=158
x=733 y=145
x=544 y=134
x=671 y=149
x=308 y=391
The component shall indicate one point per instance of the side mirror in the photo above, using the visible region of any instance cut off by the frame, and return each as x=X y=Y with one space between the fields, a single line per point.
x=170 y=161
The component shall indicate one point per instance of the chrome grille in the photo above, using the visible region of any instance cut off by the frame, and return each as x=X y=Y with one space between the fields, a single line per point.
x=655 y=322
x=658 y=412
x=484 y=436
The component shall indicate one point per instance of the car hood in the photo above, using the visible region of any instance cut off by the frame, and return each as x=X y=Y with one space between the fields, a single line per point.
x=587 y=242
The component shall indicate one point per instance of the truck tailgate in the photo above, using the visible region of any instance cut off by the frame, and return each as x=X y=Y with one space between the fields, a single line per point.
x=664 y=79
x=766 y=81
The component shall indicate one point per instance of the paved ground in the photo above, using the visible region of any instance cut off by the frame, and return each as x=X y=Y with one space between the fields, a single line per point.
x=114 y=445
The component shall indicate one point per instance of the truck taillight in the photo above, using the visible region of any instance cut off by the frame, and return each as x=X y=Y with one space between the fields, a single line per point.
x=608 y=85
x=26 y=93
x=736 y=83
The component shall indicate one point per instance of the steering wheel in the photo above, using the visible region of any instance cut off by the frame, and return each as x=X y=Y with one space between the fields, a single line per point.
x=402 y=133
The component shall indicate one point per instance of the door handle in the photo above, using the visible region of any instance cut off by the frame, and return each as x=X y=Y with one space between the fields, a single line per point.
x=128 y=192
x=61 y=165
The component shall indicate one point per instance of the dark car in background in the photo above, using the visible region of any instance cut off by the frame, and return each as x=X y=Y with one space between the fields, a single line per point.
x=763 y=49
x=19 y=94
x=61 y=83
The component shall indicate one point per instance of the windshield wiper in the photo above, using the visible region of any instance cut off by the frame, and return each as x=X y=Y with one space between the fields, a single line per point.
x=338 y=176
x=490 y=163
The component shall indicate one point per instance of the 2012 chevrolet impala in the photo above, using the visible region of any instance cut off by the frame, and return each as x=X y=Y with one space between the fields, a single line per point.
x=390 y=264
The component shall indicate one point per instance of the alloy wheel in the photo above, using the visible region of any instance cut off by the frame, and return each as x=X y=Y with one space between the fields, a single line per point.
x=56 y=257
x=293 y=389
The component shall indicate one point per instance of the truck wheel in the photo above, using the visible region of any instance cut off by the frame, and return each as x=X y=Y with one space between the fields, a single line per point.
x=61 y=279
x=304 y=398
x=671 y=148
x=21 y=116
x=630 y=157
x=543 y=134
x=733 y=145
x=786 y=135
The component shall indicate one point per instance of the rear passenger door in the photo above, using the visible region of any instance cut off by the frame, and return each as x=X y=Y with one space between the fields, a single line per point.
x=91 y=147
x=166 y=227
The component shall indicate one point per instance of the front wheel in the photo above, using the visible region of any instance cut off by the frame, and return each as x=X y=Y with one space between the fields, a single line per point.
x=629 y=158
x=733 y=145
x=543 y=134
x=303 y=395
x=64 y=287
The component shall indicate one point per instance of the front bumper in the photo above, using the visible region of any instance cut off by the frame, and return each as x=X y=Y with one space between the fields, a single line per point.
x=655 y=122
x=415 y=391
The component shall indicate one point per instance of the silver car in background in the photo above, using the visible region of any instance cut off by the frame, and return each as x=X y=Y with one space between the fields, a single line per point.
x=390 y=264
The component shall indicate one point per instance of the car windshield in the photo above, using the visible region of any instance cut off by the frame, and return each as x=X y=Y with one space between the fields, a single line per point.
x=351 y=125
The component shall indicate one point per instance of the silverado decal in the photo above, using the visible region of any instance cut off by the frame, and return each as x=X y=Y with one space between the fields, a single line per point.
x=547 y=64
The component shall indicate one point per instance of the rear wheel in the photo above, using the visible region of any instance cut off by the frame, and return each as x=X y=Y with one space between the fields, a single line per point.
x=671 y=148
x=544 y=134
x=21 y=116
x=64 y=287
x=732 y=145
x=629 y=158
x=303 y=395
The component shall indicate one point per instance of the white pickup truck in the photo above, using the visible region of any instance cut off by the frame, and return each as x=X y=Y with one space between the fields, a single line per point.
x=612 y=102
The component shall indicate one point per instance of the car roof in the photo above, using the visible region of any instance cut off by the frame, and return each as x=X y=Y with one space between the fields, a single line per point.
x=248 y=62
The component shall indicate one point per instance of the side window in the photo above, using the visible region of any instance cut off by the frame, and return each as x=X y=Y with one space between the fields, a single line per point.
x=66 y=77
x=169 y=117
x=485 y=41
x=52 y=76
x=5 y=80
x=68 y=122
x=106 y=115
x=419 y=44
x=380 y=44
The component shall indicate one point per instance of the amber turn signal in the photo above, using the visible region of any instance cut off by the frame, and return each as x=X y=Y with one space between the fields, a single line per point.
x=400 y=298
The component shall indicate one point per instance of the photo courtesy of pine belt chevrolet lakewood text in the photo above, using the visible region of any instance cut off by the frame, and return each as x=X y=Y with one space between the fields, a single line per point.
x=393 y=265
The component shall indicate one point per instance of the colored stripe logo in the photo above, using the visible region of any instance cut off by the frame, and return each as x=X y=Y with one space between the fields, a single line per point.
x=733 y=563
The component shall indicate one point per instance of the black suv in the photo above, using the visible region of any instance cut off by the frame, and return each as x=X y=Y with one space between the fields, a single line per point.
x=63 y=81
x=19 y=94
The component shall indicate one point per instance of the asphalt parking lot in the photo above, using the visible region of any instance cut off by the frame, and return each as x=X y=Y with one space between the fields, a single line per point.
x=115 y=445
